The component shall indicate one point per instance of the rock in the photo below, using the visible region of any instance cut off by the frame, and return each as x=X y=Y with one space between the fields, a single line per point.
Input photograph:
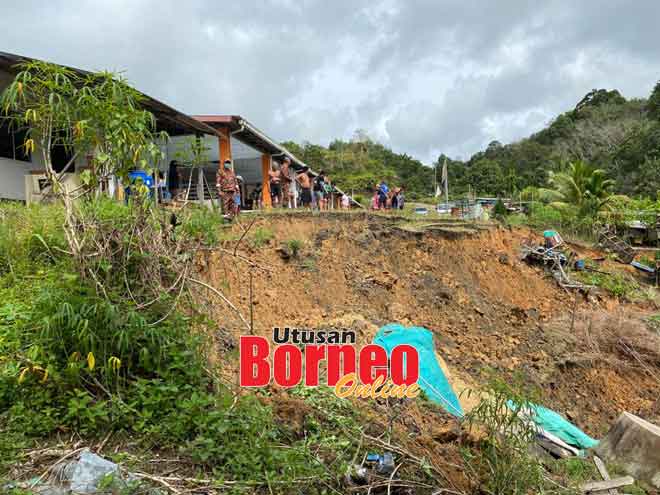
x=86 y=473
x=634 y=444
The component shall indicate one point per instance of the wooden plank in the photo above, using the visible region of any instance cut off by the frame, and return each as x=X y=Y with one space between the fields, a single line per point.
x=600 y=465
x=601 y=486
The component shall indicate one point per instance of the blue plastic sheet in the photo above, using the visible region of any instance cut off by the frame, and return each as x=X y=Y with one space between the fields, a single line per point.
x=431 y=378
x=552 y=422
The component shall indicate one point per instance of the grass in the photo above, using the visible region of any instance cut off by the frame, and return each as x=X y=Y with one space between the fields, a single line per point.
x=76 y=361
x=261 y=237
x=294 y=246
x=616 y=283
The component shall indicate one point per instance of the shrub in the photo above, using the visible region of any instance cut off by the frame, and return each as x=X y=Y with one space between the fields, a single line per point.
x=501 y=461
x=261 y=237
x=294 y=246
x=360 y=198
x=499 y=210
x=202 y=224
x=80 y=359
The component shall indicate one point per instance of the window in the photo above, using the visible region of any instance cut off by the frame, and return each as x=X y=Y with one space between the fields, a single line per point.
x=11 y=143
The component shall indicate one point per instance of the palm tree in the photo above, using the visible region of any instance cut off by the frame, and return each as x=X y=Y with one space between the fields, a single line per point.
x=580 y=186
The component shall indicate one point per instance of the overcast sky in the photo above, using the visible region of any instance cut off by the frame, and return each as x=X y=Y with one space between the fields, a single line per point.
x=422 y=76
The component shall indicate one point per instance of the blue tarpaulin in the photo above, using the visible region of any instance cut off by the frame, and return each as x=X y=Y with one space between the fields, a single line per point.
x=552 y=422
x=431 y=380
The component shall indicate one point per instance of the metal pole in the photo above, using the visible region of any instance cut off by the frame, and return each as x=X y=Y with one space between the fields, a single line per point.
x=446 y=179
x=251 y=306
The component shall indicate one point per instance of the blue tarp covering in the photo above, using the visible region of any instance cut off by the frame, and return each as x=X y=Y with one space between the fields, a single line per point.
x=431 y=378
x=553 y=423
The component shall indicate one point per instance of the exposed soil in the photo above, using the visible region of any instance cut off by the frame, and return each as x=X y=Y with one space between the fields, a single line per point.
x=591 y=356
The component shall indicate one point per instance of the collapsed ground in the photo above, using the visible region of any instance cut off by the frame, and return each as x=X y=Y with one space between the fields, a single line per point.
x=170 y=410
x=592 y=355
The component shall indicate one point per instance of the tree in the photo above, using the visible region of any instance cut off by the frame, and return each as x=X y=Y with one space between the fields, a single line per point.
x=486 y=177
x=653 y=104
x=581 y=186
x=648 y=183
x=96 y=116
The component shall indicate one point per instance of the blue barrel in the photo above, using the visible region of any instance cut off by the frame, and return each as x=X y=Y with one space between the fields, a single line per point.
x=147 y=179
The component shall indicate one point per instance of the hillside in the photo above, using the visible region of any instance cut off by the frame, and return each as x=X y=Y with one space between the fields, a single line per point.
x=604 y=129
x=154 y=387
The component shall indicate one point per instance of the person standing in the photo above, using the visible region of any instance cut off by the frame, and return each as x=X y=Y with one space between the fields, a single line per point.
x=305 y=187
x=293 y=189
x=345 y=202
x=328 y=193
x=319 y=189
x=275 y=178
x=174 y=179
x=239 y=194
x=285 y=181
x=256 y=197
x=227 y=188
x=382 y=194
x=395 y=198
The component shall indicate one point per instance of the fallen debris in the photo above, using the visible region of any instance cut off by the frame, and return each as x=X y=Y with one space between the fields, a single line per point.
x=550 y=256
x=601 y=486
x=557 y=435
x=600 y=465
x=610 y=241
x=634 y=444
x=82 y=475
x=432 y=379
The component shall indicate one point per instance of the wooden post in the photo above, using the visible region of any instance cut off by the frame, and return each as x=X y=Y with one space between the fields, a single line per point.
x=224 y=146
x=265 y=181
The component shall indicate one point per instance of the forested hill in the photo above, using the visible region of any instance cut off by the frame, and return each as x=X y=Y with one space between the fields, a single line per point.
x=604 y=129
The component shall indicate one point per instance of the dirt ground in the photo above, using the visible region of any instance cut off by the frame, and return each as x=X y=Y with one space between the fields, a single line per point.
x=592 y=356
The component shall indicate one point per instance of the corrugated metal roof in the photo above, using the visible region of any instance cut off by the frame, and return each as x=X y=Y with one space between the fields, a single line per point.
x=168 y=119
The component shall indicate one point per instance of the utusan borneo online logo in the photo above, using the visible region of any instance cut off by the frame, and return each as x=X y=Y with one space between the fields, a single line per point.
x=329 y=357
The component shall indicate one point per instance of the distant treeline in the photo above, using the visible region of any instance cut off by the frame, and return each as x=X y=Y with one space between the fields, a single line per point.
x=604 y=129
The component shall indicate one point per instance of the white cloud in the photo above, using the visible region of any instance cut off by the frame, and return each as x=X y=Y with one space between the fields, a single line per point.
x=425 y=76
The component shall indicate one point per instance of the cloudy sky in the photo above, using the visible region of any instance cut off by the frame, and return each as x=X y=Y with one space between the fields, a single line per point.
x=422 y=76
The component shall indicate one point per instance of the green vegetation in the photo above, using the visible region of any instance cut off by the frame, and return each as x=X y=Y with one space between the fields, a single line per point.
x=580 y=186
x=360 y=163
x=96 y=117
x=499 y=210
x=502 y=458
x=80 y=355
x=294 y=246
x=618 y=284
x=262 y=236
x=605 y=146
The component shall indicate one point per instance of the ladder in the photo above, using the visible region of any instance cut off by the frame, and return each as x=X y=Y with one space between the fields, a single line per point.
x=609 y=240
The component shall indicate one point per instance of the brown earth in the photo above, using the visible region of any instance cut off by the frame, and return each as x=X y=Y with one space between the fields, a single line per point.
x=592 y=357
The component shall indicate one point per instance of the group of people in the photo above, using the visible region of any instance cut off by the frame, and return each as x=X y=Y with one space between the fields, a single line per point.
x=386 y=198
x=290 y=188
